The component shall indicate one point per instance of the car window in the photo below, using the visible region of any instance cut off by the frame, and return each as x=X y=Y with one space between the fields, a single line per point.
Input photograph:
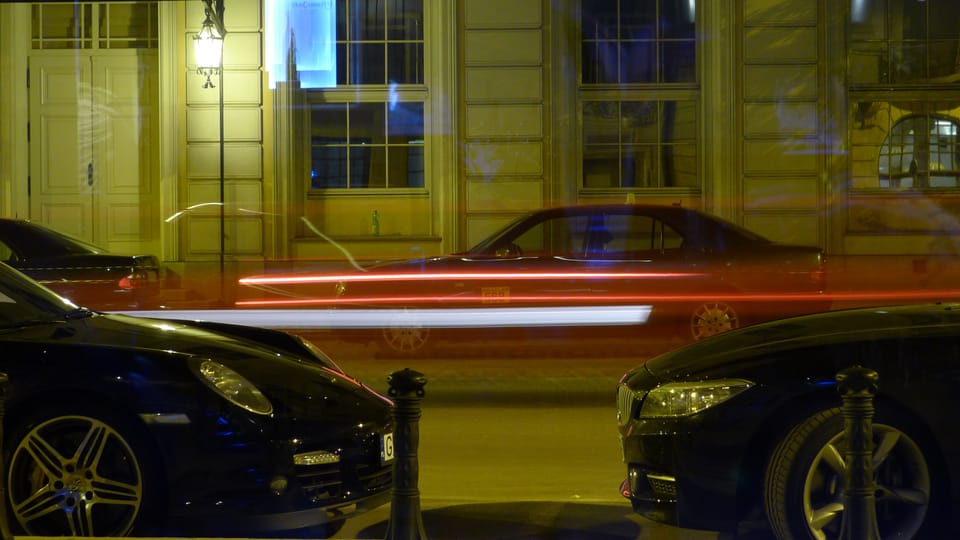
x=633 y=236
x=560 y=236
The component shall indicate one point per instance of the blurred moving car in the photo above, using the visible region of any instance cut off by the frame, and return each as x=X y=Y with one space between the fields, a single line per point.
x=700 y=274
x=117 y=425
x=746 y=427
x=86 y=274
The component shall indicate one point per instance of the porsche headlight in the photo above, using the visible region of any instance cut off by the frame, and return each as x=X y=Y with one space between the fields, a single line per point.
x=686 y=398
x=234 y=387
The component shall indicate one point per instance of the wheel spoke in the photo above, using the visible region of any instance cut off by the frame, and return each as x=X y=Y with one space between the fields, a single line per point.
x=41 y=503
x=45 y=456
x=834 y=459
x=81 y=519
x=91 y=448
x=885 y=447
x=912 y=496
x=113 y=492
x=825 y=515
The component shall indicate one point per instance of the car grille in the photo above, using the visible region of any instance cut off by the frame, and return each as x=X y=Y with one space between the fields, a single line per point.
x=359 y=474
x=627 y=403
x=330 y=484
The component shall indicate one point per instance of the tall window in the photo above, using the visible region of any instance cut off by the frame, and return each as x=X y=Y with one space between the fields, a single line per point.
x=369 y=131
x=904 y=67
x=638 y=94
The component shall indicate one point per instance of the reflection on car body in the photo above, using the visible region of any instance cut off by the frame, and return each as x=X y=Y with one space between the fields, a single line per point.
x=120 y=425
x=86 y=274
x=745 y=428
x=701 y=275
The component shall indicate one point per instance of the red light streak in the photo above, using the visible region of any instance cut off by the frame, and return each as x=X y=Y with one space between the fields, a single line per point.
x=595 y=298
x=452 y=276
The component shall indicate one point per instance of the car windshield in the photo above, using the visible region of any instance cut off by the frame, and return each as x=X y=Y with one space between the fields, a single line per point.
x=24 y=302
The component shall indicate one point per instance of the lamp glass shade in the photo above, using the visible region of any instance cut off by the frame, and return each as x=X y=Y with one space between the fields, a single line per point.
x=208 y=47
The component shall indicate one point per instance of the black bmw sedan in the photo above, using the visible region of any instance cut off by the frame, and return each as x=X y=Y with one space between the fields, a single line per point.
x=745 y=431
x=116 y=425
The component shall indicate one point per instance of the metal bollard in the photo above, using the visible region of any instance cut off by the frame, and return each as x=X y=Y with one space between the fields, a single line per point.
x=406 y=522
x=857 y=386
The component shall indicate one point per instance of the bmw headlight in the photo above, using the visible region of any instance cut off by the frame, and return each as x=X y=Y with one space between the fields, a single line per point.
x=234 y=387
x=686 y=398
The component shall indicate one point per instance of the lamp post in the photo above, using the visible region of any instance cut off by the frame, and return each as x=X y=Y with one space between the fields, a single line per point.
x=208 y=46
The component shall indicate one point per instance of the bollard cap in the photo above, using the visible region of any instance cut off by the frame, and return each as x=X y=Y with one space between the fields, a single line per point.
x=857 y=379
x=406 y=381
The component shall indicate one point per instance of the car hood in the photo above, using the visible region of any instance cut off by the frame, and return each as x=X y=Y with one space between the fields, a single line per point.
x=702 y=358
x=294 y=379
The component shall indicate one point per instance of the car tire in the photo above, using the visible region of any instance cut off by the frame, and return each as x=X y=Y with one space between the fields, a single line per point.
x=711 y=318
x=85 y=472
x=803 y=492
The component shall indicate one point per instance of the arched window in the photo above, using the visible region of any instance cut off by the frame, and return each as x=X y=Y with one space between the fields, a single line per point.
x=921 y=151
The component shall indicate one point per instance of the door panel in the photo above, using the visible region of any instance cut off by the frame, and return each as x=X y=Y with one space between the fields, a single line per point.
x=93 y=146
x=60 y=157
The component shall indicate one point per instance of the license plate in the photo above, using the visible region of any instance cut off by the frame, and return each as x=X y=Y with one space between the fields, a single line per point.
x=386 y=448
x=495 y=295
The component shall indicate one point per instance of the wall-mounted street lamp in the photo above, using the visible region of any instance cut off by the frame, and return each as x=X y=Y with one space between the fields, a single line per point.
x=208 y=48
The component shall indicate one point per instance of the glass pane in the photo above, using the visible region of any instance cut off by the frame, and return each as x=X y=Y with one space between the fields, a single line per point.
x=638 y=120
x=601 y=166
x=367 y=123
x=406 y=166
x=405 y=63
x=342 y=21
x=367 y=63
x=868 y=20
x=944 y=19
x=599 y=62
x=638 y=62
x=679 y=121
x=405 y=123
x=359 y=166
x=640 y=167
x=328 y=167
x=601 y=122
x=406 y=20
x=679 y=165
x=678 y=61
x=599 y=19
x=908 y=62
x=638 y=20
x=367 y=21
x=677 y=19
x=329 y=122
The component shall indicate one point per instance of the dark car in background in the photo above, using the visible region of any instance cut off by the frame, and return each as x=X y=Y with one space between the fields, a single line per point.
x=696 y=274
x=746 y=429
x=118 y=425
x=86 y=274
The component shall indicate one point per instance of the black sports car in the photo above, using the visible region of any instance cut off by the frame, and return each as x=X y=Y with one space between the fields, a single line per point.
x=701 y=275
x=84 y=273
x=118 y=425
x=745 y=430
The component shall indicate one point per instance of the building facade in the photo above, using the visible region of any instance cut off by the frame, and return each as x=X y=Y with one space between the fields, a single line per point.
x=816 y=122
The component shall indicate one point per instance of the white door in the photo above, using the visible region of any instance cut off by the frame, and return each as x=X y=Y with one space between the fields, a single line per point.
x=93 y=139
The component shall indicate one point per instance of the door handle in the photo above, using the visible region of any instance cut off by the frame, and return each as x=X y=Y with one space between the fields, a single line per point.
x=90 y=173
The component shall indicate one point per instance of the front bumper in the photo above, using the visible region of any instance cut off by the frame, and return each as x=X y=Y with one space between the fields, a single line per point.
x=687 y=472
